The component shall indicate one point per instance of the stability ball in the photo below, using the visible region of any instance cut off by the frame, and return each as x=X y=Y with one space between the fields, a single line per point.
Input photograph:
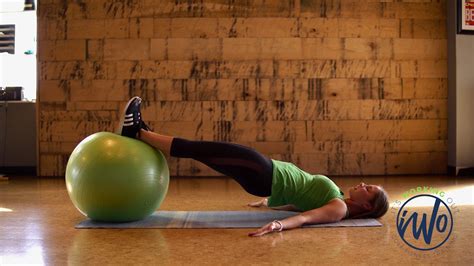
x=112 y=178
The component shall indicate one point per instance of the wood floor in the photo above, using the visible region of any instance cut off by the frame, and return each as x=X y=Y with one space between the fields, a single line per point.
x=37 y=227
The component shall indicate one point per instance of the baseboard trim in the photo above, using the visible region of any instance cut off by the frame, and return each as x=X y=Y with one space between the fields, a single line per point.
x=460 y=171
x=18 y=170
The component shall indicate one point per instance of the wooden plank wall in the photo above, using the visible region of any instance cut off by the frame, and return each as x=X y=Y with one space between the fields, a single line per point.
x=339 y=87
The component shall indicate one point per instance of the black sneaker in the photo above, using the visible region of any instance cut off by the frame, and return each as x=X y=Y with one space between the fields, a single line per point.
x=131 y=122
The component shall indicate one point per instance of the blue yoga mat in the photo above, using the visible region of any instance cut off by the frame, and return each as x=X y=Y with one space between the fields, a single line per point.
x=217 y=219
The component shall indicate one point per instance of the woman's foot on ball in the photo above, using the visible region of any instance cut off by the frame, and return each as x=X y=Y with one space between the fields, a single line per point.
x=131 y=122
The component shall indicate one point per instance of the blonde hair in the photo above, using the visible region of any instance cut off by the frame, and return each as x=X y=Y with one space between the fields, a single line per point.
x=380 y=206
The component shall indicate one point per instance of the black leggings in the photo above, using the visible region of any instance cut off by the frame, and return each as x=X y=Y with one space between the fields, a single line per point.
x=250 y=169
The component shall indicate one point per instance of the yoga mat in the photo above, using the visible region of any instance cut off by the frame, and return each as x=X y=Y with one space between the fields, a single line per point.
x=217 y=219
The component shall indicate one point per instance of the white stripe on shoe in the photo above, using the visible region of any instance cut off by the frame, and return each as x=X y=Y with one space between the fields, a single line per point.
x=124 y=115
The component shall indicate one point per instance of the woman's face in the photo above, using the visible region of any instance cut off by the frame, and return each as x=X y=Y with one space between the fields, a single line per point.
x=363 y=193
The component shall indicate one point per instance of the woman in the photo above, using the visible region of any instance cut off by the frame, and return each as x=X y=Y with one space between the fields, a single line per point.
x=287 y=187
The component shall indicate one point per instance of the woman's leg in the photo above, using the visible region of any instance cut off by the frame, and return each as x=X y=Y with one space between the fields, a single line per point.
x=158 y=141
x=250 y=169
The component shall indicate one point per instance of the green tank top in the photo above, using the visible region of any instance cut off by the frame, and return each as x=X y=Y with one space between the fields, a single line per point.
x=292 y=185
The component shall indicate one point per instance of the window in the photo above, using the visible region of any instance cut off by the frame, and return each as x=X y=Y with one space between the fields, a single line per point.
x=7 y=38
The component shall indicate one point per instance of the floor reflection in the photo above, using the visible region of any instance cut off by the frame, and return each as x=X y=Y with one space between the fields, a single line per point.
x=95 y=245
x=30 y=253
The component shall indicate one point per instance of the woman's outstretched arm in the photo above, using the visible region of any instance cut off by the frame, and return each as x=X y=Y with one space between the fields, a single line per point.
x=332 y=212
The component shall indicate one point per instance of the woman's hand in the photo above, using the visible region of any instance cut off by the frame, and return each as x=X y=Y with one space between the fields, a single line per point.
x=268 y=228
x=259 y=203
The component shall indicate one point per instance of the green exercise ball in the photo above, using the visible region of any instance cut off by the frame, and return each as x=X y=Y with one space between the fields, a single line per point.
x=112 y=178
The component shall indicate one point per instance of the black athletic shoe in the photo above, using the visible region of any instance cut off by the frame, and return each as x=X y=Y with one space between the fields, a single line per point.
x=131 y=122
x=144 y=126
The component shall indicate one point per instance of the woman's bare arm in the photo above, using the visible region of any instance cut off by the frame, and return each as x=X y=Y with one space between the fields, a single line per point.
x=334 y=211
